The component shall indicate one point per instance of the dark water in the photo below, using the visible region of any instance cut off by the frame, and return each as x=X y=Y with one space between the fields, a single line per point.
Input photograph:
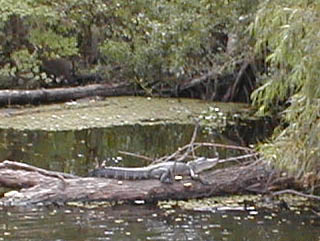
x=77 y=151
x=149 y=223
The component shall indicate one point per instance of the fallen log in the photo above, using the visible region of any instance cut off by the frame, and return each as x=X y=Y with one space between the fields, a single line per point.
x=39 y=186
x=39 y=96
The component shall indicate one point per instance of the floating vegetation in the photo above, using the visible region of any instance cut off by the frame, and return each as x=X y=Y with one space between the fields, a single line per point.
x=119 y=221
x=116 y=111
x=216 y=204
x=93 y=205
x=249 y=203
x=213 y=118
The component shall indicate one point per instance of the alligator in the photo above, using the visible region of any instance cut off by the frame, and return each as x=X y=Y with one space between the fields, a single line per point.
x=164 y=171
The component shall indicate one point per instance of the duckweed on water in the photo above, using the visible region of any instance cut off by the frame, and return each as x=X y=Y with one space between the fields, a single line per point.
x=85 y=114
x=251 y=204
x=93 y=205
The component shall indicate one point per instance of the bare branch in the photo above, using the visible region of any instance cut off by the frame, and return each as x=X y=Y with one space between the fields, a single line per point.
x=136 y=155
x=190 y=146
x=290 y=191
x=24 y=166
x=224 y=146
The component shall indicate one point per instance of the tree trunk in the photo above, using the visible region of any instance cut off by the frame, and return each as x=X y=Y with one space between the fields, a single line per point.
x=40 y=186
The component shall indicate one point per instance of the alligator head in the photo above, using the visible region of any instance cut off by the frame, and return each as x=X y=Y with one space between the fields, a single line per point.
x=203 y=164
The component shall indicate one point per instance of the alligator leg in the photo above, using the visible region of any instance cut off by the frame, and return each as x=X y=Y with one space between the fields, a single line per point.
x=166 y=176
x=197 y=177
x=204 y=182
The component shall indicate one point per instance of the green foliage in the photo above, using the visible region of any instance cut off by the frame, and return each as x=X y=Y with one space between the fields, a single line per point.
x=171 y=40
x=290 y=30
x=32 y=29
x=148 y=40
x=24 y=59
x=116 y=51
x=57 y=44
x=17 y=7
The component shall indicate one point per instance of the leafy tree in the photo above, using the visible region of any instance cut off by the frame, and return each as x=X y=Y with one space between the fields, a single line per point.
x=167 y=41
x=290 y=31
x=31 y=29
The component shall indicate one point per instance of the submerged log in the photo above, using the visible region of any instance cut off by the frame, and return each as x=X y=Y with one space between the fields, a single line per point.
x=39 y=186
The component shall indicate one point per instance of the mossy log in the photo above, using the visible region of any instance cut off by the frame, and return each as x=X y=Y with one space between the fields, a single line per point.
x=39 y=186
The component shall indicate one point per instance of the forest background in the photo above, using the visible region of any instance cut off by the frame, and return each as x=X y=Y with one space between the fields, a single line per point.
x=156 y=45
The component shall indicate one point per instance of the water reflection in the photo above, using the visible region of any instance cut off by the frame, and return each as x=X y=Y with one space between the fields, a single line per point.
x=77 y=151
x=147 y=222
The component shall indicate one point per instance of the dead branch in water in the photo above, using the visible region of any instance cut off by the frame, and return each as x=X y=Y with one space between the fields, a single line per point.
x=294 y=192
x=136 y=155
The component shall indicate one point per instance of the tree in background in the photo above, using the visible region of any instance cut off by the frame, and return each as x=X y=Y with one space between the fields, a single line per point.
x=30 y=30
x=142 y=41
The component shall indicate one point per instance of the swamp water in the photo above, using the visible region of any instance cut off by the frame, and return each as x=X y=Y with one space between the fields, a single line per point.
x=147 y=222
x=43 y=138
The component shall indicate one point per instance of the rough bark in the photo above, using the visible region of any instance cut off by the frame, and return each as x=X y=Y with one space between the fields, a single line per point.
x=40 y=186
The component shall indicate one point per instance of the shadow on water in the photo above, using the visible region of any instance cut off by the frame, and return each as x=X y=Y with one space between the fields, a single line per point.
x=77 y=151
